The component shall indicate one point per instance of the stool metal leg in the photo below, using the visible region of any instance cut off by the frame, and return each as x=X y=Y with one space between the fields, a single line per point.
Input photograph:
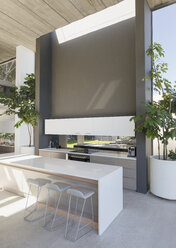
x=38 y=193
x=80 y=218
x=25 y=210
x=46 y=207
x=76 y=207
x=35 y=208
x=92 y=208
x=57 y=206
x=68 y=215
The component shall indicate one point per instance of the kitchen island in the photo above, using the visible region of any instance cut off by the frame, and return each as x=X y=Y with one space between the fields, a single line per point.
x=106 y=180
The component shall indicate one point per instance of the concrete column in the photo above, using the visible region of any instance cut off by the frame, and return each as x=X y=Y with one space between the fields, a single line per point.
x=25 y=63
x=143 y=89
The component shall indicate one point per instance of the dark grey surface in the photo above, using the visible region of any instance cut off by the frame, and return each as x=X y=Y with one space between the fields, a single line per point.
x=94 y=75
x=143 y=89
x=102 y=147
x=43 y=88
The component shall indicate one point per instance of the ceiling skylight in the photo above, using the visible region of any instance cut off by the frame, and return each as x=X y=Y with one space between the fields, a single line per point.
x=117 y=13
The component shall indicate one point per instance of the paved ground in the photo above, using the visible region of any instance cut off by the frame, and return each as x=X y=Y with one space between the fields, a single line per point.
x=146 y=222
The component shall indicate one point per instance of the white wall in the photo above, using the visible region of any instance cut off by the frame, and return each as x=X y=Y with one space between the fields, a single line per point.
x=171 y=146
x=6 y=122
x=25 y=63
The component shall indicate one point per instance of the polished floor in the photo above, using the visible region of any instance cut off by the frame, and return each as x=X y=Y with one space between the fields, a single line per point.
x=146 y=222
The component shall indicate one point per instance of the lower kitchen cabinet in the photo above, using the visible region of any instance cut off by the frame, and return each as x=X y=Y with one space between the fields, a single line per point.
x=52 y=154
x=129 y=168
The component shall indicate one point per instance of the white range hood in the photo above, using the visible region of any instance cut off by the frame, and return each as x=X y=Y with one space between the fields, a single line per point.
x=99 y=126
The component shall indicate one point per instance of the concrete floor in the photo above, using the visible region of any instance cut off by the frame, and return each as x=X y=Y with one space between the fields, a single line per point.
x=146 y=222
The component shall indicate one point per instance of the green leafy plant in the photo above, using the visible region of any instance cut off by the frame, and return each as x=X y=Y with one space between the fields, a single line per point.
x=9 y=136
x=159 y=120
x=21 y=102
x=172 y=155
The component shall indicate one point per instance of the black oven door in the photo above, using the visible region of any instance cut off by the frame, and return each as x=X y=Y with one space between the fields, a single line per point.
x=81 y=158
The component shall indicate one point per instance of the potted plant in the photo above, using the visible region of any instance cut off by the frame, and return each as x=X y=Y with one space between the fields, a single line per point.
x=21 y=102
x=159 y=122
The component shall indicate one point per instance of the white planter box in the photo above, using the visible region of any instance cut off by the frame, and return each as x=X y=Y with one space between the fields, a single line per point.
x=28 y=150
x=163 y=178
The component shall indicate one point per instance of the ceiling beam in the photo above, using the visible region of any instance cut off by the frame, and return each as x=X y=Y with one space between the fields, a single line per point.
x=164 y=5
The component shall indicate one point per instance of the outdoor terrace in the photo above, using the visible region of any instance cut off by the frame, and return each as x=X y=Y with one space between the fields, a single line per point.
x=145 y=222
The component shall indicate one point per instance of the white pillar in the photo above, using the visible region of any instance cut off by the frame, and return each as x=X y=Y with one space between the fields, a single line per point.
x=25 y=63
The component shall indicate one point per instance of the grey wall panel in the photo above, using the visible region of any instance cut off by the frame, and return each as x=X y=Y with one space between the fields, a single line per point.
x=94 y=75
x=143 y=89
x=43 y=88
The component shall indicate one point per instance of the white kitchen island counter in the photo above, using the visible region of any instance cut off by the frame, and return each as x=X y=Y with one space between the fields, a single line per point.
x=107 y=178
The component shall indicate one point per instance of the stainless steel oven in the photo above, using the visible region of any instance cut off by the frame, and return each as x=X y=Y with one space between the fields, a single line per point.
x=77 y=156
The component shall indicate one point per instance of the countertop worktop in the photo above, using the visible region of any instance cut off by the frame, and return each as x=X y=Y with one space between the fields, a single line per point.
x=61 y=150
x=9 y=155
x=113 y=154
x=122 y=155
x=91 y=171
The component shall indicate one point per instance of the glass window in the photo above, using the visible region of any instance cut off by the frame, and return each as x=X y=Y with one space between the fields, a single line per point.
x=7 y=139
x=73 y=140
x=7 y=72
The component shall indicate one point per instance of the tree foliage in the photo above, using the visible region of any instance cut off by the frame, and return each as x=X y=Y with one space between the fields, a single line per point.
x=21 y=102
x=159 y=120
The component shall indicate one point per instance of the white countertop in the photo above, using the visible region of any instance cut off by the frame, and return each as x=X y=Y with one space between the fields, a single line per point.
x=121 y=155
x=109 y=154
x=61 y=150
x=91 y=171
x=10 y=155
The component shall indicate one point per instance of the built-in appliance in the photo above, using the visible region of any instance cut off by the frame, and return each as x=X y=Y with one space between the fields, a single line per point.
x=79 y=156
x=132 y=151
x=105 y=147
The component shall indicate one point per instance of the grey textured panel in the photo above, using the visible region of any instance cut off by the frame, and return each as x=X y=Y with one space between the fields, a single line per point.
x=94 y=75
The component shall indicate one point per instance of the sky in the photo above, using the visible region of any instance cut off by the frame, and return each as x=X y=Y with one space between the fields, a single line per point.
x=164 y=32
